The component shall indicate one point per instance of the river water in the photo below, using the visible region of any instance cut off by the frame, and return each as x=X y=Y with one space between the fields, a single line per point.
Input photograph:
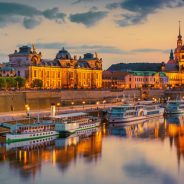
x=145 y=153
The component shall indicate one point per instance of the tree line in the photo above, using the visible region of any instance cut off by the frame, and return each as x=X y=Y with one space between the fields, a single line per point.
x=18 y=82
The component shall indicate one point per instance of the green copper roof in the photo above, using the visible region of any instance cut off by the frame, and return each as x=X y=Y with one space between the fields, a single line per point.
x=146 y=73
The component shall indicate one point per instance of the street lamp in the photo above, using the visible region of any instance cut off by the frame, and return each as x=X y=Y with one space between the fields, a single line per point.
x=72 y=103
x=58 y=105
x=97 y=103
x=104 y=103
x=27 y=110
x=83 y=104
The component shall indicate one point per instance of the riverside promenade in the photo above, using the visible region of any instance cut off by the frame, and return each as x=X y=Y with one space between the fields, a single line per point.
x=19 y=115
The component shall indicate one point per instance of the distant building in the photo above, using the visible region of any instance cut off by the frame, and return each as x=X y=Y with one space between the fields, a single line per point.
x=7 y=71
x=64 y=71
x=134 y=79
x=115 y=79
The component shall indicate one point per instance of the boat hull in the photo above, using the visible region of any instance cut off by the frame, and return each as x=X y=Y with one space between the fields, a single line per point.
x=138 y=118
x=89 y=126
x=28 y=136
x=175 y=112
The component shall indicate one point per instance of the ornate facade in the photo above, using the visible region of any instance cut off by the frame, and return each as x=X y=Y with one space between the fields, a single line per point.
x=61 y=72
x=174 y=68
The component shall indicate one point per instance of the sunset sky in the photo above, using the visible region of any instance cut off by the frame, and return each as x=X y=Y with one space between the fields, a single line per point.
x=118 y=30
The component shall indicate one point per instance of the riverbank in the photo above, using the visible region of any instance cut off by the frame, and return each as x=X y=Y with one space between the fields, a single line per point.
x=19 y=115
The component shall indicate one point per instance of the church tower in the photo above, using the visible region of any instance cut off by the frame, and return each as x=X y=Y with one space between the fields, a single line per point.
x=179 y=45
x=179 y=41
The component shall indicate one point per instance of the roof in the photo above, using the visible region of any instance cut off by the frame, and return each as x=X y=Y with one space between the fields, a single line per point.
x=136 y=67
x=70 y=115
x=142 y=73
x=83 y=64
x=115 y=75
x=171 y=67
x=147 y=73
x=7 y=68
x=63 y=54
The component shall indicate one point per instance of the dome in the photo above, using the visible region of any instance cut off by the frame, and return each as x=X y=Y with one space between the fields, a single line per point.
x=63 y=54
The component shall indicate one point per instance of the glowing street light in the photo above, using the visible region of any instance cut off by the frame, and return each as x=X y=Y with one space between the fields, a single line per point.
x=97 y=103
x=27 y=110
x=72 y=103
x=58 y=105
x=83 y=104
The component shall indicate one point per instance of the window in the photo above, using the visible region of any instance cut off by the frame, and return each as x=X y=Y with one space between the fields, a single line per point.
x=34 y=73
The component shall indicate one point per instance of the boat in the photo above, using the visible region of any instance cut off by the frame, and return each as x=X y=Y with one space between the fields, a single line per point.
x=175 y=107
x=134 y=112
x=74 y=122
x=31 y=144
x=23 y=132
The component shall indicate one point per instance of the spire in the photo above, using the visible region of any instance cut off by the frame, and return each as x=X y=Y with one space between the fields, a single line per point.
x=179 y=35
x=34 y=49
x=171 y=57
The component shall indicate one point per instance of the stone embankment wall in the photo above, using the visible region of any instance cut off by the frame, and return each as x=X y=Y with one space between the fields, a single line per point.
x=16 y=101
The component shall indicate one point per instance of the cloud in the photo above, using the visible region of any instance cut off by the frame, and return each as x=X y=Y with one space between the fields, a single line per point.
x=79 y=48
x=28 y=16
x=54 y=14
x=138 y=11
x=83 y=1
x=30 y=23
x=94 y=48
x=89 y=18
x=143 y=172
x=147 y=50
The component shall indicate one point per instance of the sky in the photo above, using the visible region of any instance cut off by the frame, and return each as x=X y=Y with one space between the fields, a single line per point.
x=118 y=30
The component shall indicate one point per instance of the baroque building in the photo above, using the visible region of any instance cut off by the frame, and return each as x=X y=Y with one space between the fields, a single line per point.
x=64 y=71
x=174 y=68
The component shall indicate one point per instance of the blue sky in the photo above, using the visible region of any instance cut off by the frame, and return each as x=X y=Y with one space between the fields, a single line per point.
x=119 y=30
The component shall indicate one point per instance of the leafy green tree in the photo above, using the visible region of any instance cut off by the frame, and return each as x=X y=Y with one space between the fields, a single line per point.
x=2 y=82
x=10 y=82
x=20 y=82
x=37 y=83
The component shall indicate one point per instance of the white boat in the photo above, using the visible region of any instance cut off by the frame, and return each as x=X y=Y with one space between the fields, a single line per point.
x=22 y=132
x=74 y=122
x=175 y=107
x=31 y=144
x=134 y=112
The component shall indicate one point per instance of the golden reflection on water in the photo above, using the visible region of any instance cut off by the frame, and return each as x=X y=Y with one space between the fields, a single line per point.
x=61 y=153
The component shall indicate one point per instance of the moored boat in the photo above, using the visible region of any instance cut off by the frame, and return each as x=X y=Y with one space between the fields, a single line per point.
x=130 y=113
x=175 y=107
x=22 y=132
x=74 y=122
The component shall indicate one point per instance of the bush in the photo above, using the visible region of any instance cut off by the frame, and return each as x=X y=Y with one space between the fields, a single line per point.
x=37 y=83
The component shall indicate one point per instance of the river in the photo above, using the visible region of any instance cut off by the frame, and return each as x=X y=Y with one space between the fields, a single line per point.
x=146 y=153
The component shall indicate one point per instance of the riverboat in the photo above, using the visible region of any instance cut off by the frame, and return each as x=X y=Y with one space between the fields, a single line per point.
x=23 y=132
x=74 y=122
x=134 y=112
x=175 y=107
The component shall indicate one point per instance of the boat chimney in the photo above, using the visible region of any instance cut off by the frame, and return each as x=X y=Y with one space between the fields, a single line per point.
x=53 y=110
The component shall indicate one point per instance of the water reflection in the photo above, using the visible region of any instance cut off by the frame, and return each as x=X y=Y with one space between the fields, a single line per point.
x=27 y=157
x=148 y=128
x=144 y=152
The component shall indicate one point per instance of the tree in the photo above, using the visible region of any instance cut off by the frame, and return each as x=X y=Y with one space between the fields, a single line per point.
x=10 y=82
x=2 y=82
x=20 y=82
x=37 y=83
